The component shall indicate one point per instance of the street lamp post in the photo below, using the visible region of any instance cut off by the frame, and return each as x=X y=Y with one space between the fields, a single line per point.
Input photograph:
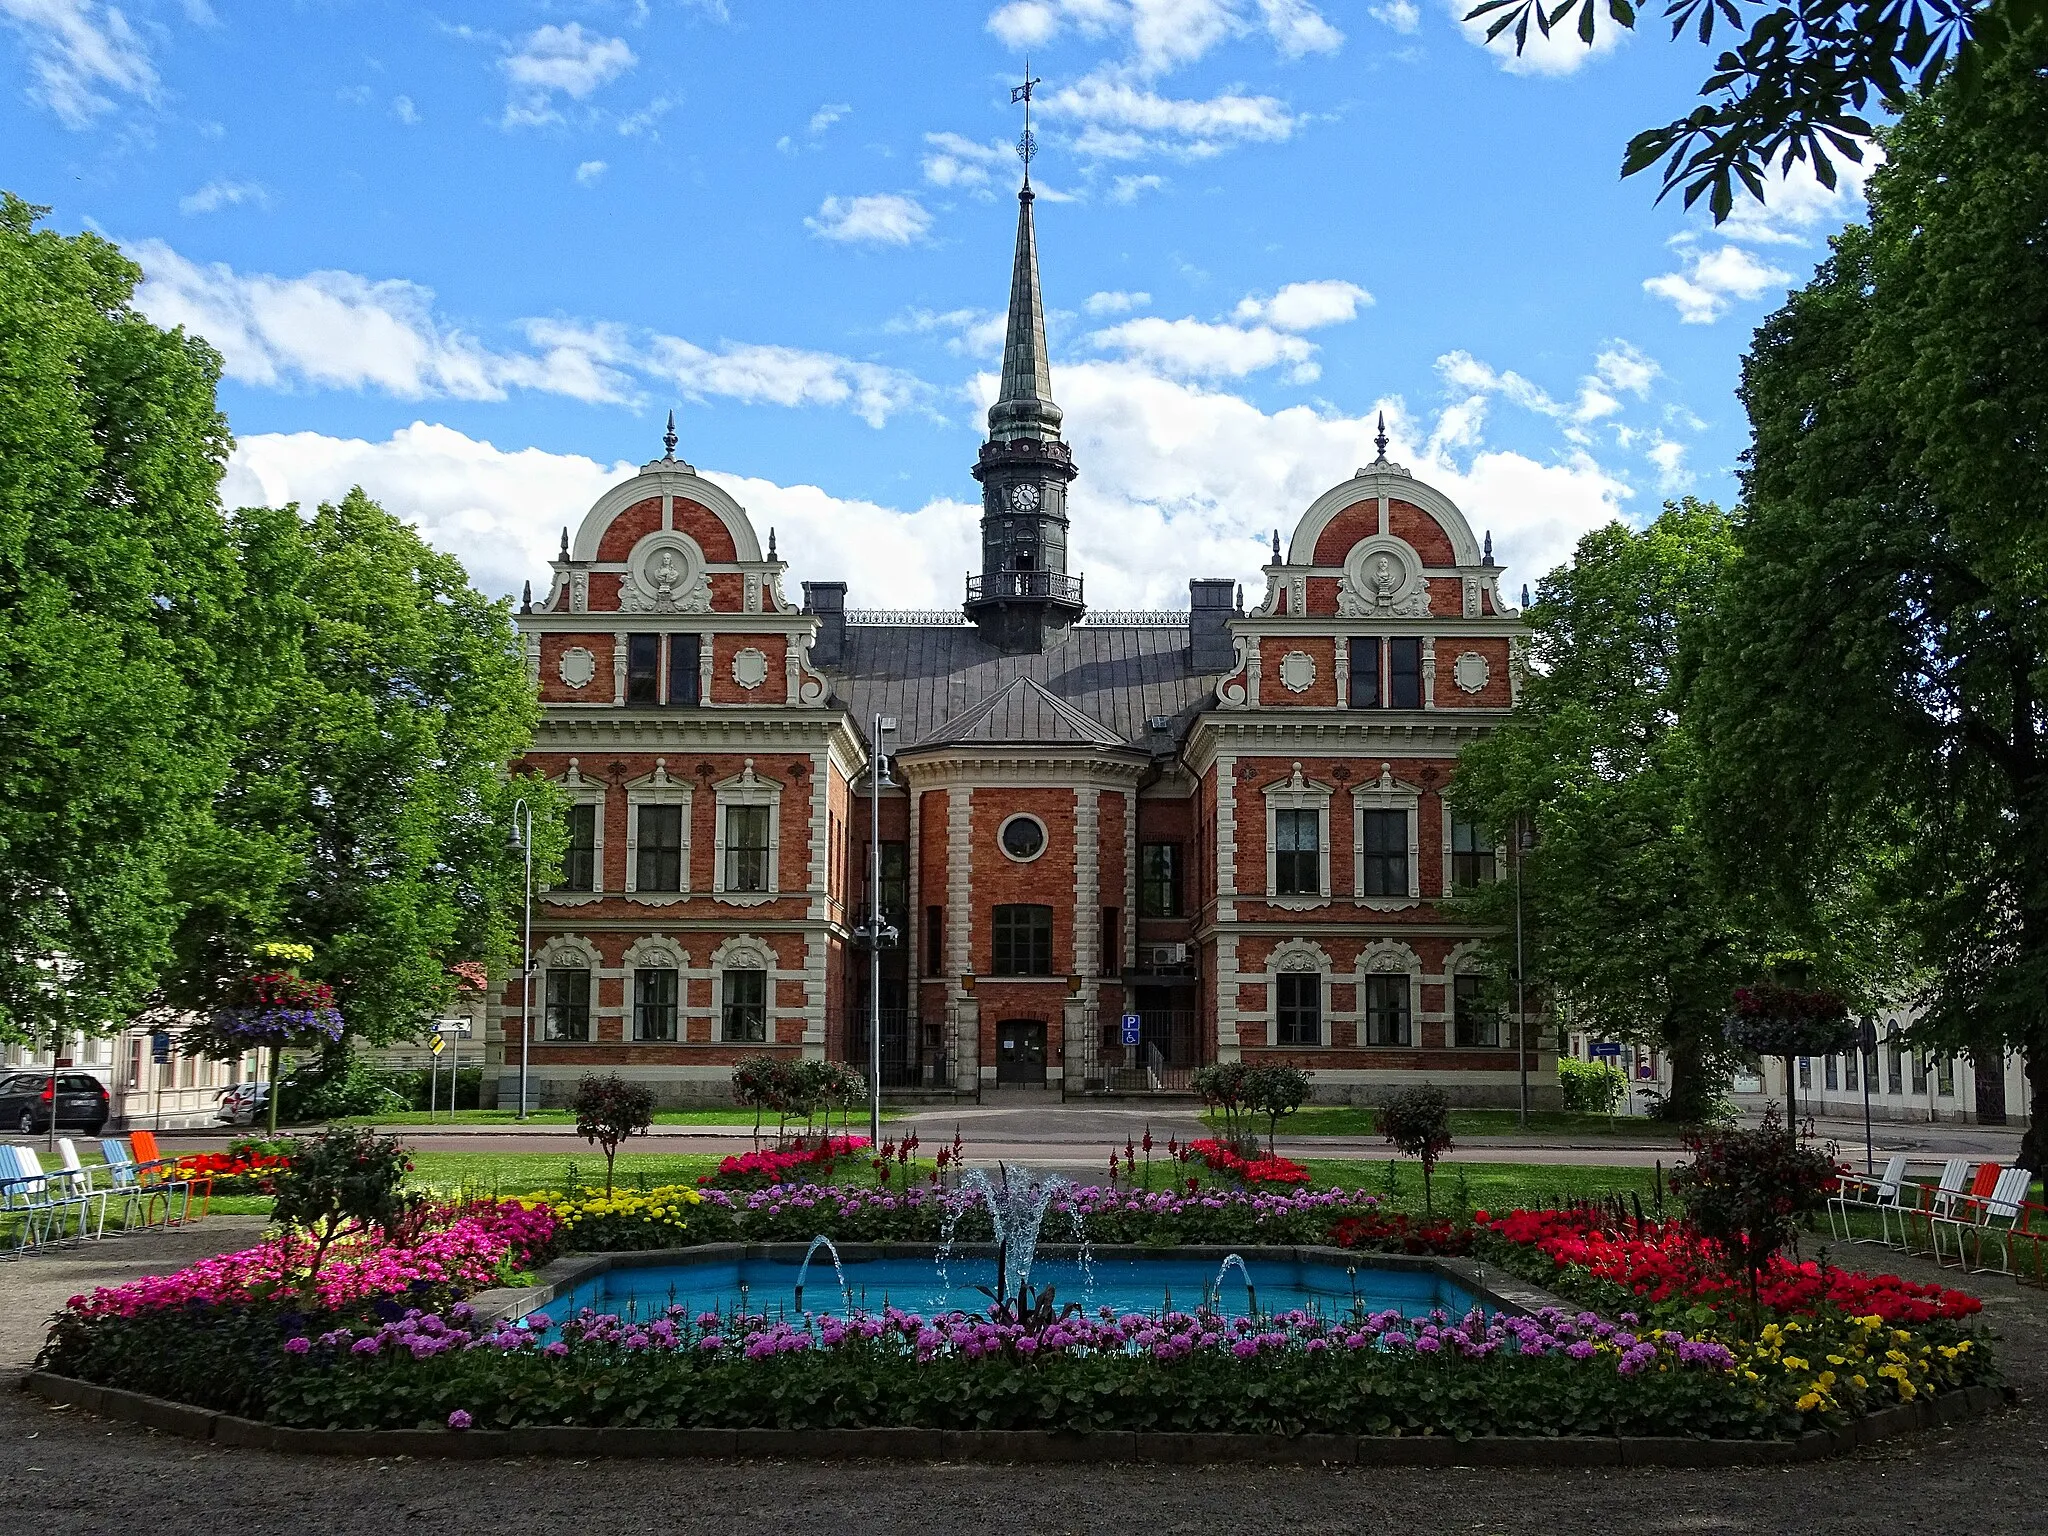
x=876 y=931
x=522 y=840
x=1522 y=841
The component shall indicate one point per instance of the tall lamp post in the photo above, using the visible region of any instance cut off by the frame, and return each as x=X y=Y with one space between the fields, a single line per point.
x=876 y=932
x=1523 y=839
x=522 y=842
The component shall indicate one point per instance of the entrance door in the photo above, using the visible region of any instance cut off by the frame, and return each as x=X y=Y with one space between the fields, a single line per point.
x=1020 y=1051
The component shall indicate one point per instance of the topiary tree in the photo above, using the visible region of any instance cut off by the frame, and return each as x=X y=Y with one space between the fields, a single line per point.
x=1747 y=1192
x=1773 y=1020
x=1417 y=1121
x=1221 y=1086
x=608 y=1110
x=754 y=1087
x=1275 y=1090
x=339 y=1183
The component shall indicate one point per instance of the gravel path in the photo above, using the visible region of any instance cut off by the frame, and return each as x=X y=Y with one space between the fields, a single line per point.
x=62 y=1471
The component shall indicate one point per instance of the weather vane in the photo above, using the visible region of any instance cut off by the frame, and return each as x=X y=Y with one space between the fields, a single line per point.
x=1027 y=146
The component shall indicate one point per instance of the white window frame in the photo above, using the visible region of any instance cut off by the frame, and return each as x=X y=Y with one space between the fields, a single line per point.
x=582 y=791
x=652 y=953
x=743 y=952
x=748 y=789
x=1298 y=957
x=1500 y=852
x=563 y=952
x=656 y=789
x=1390 y=957
x=1387 y=793
x=1297 y=792
x=1464 y=961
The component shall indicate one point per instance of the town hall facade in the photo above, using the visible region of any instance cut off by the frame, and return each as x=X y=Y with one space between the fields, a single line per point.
x=1230 y=823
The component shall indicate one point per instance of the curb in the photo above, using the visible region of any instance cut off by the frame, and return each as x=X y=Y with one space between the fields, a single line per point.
x=1025 y=1446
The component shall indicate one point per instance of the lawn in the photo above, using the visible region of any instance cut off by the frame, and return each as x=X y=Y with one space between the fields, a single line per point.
x=1358 y=1120
x=1486 y=1186
x=730 y=1114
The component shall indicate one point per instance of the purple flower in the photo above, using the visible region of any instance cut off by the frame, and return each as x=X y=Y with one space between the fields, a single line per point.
x=297 y=1346
x=459 y=1420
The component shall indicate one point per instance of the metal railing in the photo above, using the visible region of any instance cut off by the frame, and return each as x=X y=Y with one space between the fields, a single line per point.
x=1137 y=618
x=912 y=618
x=1171 y=1044
x=1007 y=584
x=916 y=1052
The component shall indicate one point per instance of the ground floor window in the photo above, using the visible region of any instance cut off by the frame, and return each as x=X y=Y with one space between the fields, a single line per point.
x=1386 y=1010
x=744 y=1014
x=654 y=1004
x=568 y=1005
x=1473 y=1023
x=1298 y=1008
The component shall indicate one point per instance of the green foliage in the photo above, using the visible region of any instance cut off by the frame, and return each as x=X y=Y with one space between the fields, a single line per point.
x=1223 y=1087
x=1275 y=1090
x=118 y=689
x=340 y=1182
x=1872 y=693
x=1750 y=1191
x=330 y=1086
x=789 y=1087
x=1590 y=1087
x=1417 y=1123
x=608 y=1110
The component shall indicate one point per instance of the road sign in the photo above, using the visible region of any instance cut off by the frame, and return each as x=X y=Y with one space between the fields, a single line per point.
x=159 y=1046
x=438 y=1046
x=1601 y=1048
x=1132 y=1024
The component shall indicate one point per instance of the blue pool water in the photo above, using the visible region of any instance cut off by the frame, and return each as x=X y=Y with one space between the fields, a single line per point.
x=922 y=1285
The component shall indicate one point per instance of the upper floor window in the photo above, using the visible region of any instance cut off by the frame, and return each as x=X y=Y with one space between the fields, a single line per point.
x=1471 y=853
x=1472 y=1021
x=654 y=1003
x=579 y=859
x=746 y=847
x=1365 y=672
x=1298 y=1008
x=895 y=878
x=744 y=1008
x=1022 y=941
x=643 y=669
x=567 y=1016
x=1404 y=672
x=1297 y=852
x=1159 y=892
x=1385 y=836
x=658 y=857
x=684 y=655
x=1384 y=1002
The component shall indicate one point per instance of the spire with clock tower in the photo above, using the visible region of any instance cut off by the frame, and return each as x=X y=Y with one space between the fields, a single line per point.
x=1024 y=600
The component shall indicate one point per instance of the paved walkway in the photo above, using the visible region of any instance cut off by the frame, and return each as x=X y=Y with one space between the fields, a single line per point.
x=64 y=1473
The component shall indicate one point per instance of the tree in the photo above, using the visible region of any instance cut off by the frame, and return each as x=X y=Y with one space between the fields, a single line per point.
x=342 y=1182
x=1623 y=919
x=1748 y=1191
x=608 y=1110
x=1275 y=1090
x=1796 y=81
x=368 y=809
x=1873 y=686
x=117 y=582
x=1417 y=1123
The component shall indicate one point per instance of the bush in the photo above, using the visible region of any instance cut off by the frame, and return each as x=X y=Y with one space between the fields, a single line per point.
x=419 y=1088
x=1590 y=1087
x=1222 y=1086
x=1417 y=1121
x=1275 y=1090
x=1747 y=1192
x=334 y=1085
x=608 y=1110
x=341 y=1182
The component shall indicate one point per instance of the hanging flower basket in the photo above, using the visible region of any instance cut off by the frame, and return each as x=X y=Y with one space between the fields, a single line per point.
x=271 y=1009
x=1770 y=1020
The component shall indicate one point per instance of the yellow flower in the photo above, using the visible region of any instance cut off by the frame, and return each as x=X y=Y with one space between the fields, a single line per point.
x=1808 y=1403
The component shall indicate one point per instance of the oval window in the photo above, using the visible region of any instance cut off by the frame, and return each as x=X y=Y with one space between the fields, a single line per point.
x=1023 y=837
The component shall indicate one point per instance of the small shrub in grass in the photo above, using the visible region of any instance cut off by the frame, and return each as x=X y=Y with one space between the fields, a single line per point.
x=1275 y=1090
x=1748 y=1192
x=608 y=1110
x=342 y=1182
x=1417 y=1121
x=1590 y=1087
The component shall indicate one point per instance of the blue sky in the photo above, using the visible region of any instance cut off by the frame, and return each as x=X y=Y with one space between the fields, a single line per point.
x=468 y=256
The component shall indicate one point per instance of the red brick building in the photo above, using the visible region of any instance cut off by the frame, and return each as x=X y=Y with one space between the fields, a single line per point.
x=1229 y=824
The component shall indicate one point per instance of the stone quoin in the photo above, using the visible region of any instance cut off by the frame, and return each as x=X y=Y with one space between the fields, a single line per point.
x=1231 y=822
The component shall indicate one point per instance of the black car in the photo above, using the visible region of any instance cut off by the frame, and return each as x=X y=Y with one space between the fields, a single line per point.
x=82 y=1102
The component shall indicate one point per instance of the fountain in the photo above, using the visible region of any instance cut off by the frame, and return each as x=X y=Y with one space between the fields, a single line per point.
x=1251 y=1297
x=845 y=1290
x=1017 y=1204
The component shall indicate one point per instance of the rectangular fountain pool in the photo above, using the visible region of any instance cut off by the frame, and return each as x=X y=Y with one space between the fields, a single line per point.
x=923 y=1285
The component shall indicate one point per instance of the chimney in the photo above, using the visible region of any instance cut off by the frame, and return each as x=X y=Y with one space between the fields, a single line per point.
x=827 y=599
x=1210 y=610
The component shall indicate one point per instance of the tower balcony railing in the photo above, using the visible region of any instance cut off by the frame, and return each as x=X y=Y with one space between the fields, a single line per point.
x=1000 y=585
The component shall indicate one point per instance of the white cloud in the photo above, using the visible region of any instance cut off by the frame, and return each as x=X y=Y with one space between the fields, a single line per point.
x=645 y=122
x=1198 y=349
x=1403 y=16
x=757 y=374
x=403 y=109
x=1669 y=457
x=1622 y=366
x=1116 y=302
x=1128 y=189
x=560 y=59
x=1163 y=35
x=1796 y=207
x=1122 y=121
x=954 y=160
x=974 y=332
x=590 y=172
x=216 y=195
x=1712 y=281
x=78 y=50
x=827 y=115
x=1560 y=53
x=877 y=218
x=1306 y=306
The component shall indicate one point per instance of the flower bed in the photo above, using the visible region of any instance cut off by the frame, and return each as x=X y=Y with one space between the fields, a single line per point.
x=774 y=1165
x=1224 y=1159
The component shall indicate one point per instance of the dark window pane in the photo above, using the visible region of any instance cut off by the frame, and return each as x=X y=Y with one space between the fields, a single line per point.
x=1473 y=1021
x=579 y=859
x=1365 y=672
x=654 y=1005
x=568 y=1006
x=643 y=669
x=895 y=879
x=1471 y=853
x=1159 y=880
x=683 y=653
x=746 y=848
x=1112 y=941
x=1386 y=853
x=1022 y=941
x=660 y=850
x=1297 y=853
x=934 y=940
x=1386 y=1010
x=744 y=1015
x=1404 y=672
x=1298 y=1009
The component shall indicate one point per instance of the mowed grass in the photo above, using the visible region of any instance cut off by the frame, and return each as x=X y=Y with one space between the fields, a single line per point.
x=1486 y=1186
x=1359 y=1120
x=730 y=1114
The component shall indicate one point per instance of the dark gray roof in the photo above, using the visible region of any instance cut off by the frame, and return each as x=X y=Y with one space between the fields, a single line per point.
x=946 y=683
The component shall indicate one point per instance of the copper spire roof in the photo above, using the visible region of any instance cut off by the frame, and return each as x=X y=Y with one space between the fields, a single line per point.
x=1024 y=406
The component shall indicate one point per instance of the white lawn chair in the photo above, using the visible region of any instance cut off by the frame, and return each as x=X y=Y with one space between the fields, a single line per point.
x=16 y=1203
x=1992 y=1216
x=34 y=1198
x=1938 y=1201
x=82 y=1182
x=63 y=1195
x=1857 y=1193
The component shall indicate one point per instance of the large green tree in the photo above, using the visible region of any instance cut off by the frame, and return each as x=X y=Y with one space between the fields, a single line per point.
x=1624 y=923
x=117 y=578
x=1874 y=682
x=368 y=809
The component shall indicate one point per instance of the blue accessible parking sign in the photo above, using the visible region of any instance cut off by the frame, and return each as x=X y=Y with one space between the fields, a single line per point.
x=1131 y=1022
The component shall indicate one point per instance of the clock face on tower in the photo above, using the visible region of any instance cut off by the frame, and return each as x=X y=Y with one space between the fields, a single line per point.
x=1024 y=498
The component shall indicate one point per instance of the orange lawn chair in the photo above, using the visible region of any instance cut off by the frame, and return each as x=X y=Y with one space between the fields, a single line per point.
x=155 y=1167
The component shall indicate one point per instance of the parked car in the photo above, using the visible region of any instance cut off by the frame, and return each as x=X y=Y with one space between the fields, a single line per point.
x=243 y=1104
x=82 y=1102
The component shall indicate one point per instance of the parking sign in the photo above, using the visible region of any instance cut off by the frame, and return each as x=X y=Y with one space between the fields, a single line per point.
x=1131 y=1026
